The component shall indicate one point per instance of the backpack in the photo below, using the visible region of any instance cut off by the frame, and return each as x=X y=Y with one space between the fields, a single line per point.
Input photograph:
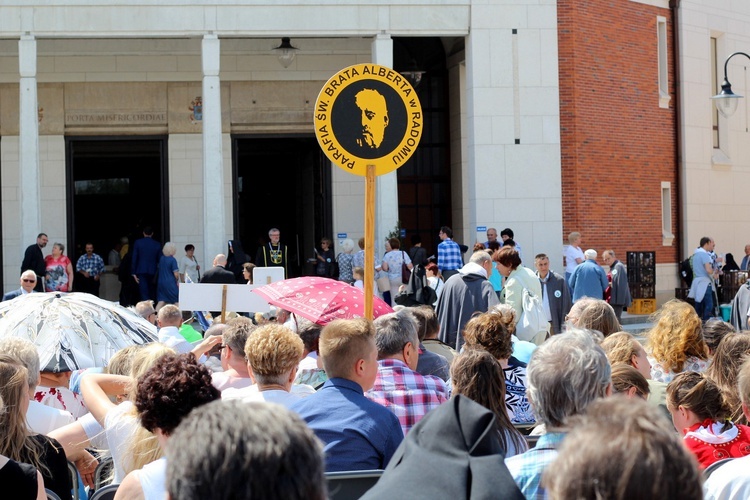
x=533 y=320
x=686 y=270
x=418 y=291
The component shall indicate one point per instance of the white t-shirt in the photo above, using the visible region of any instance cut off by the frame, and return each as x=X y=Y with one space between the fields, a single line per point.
x=171 y=337
x=222 y=381
x=730 y=481
x=120 y=426
x=94 y=431
x=278 y=396
x=61 y=398
x=188 y=266
x=571 y=254
x=153 y=479
x=44 y=419
x=301 y=390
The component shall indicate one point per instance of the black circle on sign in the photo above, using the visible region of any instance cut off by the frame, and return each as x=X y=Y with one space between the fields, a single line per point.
x=346 y=119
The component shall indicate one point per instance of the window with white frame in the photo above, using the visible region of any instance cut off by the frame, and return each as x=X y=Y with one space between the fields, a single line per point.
x=661 y=33
x=666 y=214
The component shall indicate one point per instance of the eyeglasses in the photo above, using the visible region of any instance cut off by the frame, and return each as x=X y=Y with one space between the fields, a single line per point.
x=29 y=281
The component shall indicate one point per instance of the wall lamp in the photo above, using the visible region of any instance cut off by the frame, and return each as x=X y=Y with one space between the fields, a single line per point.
x=726 y=101
x=286 y=52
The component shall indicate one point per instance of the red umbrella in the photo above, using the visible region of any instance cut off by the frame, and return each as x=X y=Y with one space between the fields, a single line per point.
x=321 y=300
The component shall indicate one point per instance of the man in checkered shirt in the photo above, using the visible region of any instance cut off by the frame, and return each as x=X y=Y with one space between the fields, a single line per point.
x=449 y=254
x=398 y=386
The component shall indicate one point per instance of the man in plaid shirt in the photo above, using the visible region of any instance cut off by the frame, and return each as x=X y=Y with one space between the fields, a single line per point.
x=398 y=387
x=449 y=254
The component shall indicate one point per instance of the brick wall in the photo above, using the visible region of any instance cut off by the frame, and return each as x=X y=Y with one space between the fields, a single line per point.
x=617 y=144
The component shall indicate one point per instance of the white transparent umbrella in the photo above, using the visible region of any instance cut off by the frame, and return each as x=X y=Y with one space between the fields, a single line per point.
x=73 y=330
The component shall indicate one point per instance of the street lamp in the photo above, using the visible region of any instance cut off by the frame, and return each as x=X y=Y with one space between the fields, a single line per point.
x=726 y=101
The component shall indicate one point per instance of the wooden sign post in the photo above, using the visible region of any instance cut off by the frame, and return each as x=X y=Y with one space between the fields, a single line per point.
x=368 y=122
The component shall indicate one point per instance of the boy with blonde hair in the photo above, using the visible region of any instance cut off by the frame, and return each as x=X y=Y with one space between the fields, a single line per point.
x=358 y=434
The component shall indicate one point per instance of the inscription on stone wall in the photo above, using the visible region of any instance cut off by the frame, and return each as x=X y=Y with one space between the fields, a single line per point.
x=105 y=118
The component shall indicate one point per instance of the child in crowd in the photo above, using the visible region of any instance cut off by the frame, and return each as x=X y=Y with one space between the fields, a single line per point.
x=700 y=414
x=359 y=277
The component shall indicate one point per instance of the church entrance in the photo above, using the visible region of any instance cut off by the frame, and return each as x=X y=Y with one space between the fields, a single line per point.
x=281 y=182
x=116 y=186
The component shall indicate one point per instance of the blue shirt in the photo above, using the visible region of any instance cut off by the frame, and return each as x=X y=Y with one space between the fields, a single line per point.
x=588 y=280
x=527 y=468
x=700 y=259
x=358 y=434
x=94 y=264
x=449 y=255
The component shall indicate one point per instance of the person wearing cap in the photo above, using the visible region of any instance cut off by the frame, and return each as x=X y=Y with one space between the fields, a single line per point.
x=588 y=279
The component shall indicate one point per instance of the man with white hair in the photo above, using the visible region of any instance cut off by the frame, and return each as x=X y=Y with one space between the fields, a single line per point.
x=588 y=279
x=566 y=373
x=28 y=282
x=465 y=293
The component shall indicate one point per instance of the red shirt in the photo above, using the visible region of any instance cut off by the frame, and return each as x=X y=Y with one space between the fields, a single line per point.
x=709 y=446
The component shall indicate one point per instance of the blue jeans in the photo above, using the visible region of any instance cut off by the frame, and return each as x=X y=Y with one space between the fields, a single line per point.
x=705 y=308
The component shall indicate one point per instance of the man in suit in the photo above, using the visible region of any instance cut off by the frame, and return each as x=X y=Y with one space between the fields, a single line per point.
x=146 y=255
x=219 y=273
x=33 y=259
x=555 y=293
x=28 y=281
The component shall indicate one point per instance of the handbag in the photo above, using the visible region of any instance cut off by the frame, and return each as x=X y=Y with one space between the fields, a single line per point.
x=384 y=284
x=533 y=321
x=405 y=271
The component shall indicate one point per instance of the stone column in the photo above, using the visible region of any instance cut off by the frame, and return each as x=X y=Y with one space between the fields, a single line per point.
x=213 y=168
x=28 y=142
x=386 y=209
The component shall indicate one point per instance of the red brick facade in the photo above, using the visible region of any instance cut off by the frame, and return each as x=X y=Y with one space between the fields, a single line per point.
x=617 y=144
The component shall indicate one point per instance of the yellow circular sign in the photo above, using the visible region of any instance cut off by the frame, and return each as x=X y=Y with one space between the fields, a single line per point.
x=368 y=115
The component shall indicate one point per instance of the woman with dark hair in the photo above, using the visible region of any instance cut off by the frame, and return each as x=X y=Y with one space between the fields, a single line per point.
x=730 y=264
x=165 y=394
x=714 y=330
x=434 y=280
x=476 y=374
x=417 y=254
x=325 y=258
x=493 y=332
x=189 y=265
x=701 y=415
x=517 y=279
x=17 y=442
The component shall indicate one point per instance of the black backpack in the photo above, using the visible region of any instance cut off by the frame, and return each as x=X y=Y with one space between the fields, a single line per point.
x=686 y=270
x=418 y=291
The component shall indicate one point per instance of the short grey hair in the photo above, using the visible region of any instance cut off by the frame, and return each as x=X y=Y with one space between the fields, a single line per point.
x=564 y=375
x=274 y=454
x=236 y=334
x=393 y=331
x=26 y=353
x=169 y=249
x=590 y=254
x=480 y=257
x=347 y=245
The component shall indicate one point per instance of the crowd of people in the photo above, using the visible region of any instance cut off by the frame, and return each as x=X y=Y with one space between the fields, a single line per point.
x=444 y=397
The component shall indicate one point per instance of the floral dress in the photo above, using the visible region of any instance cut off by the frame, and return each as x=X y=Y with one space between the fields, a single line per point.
x=519 y=409
x=56 y=279
x=661 y=374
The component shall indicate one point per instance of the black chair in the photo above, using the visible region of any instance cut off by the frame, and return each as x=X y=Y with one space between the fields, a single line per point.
x=351 y=485
x=51 y=495
x=105 y=492
x=73 y=479
x=531 y=440
x=103 y=472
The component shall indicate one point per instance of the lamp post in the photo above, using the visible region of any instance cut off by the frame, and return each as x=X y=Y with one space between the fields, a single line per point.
x=726 y=101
